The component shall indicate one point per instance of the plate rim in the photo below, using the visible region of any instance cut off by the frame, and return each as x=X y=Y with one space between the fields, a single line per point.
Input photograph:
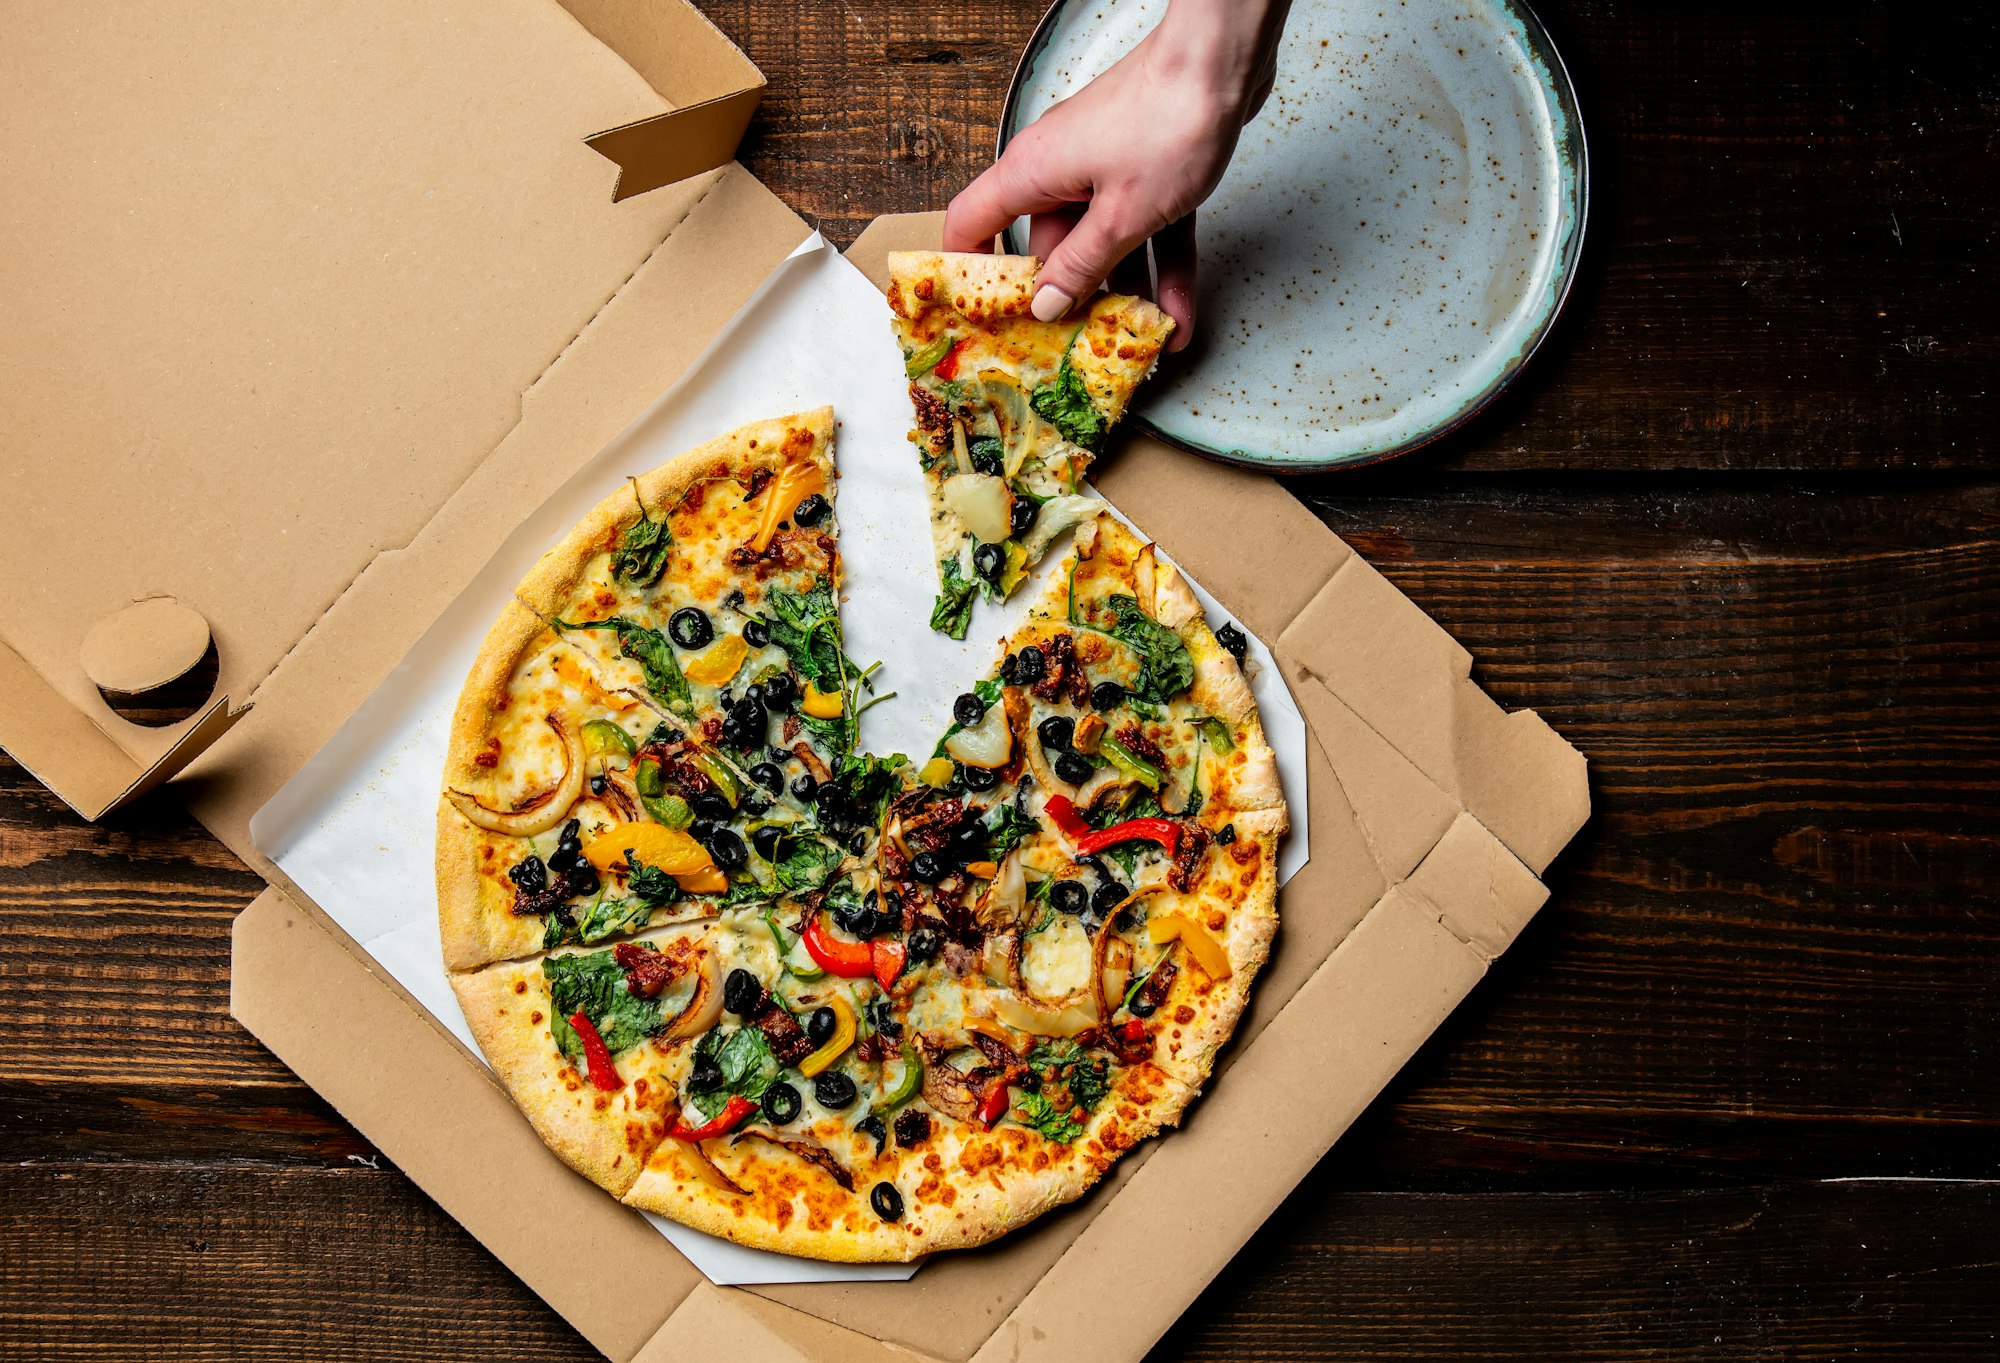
x=1561 y=85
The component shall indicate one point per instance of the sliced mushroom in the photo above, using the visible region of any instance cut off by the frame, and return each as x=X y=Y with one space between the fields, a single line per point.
x=539 y=813
x=1005 y=902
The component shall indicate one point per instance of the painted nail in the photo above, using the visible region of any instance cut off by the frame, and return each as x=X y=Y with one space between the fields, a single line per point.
x=1050 y=303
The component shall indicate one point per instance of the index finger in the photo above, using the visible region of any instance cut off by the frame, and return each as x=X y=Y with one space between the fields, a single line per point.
x=986 y=206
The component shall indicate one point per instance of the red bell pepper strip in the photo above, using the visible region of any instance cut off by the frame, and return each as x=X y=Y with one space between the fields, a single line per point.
x=849 y=960
x=1062 y=810
x=596 y=1054
x=1165 y=832
x=993 y=1106
x=732 y=1114
x=947 y=368
x=1132 y=1030
x=889 y=958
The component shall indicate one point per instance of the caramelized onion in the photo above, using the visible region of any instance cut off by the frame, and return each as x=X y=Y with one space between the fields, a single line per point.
x=705 y=1168
x=704 y=1007
x=539 y=813
x=1101 y=944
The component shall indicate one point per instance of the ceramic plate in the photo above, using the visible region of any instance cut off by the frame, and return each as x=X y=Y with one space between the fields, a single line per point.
x=1395 y=236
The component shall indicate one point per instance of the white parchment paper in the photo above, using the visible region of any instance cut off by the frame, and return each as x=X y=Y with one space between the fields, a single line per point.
x=355 y=826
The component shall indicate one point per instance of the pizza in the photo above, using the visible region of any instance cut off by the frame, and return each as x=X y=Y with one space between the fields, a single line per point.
x=1009 y=410
x=853 y=1007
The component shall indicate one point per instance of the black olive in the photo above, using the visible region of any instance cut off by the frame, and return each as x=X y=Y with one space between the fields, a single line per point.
x=872 y=1125
x=710 y=806
x=734 y=601
x=812 y=510
x=750 y=715
x=564 y=857
x=968 y=843
x=834 y=1090
x=529 y=875
x=1141 y=1006
x=1232 y=639
x=756 y=633
x=689 y=627
x=782 y=1103
x=727 y=849
x=581 y=879
x=706 y=1075
x=887 y=1202
x=1225 y=835
x=765 y=840
x=968 y=709
x=859 y=842
x=768 y=775
x=882 y=1016
x=1008 y=665
x=987 y=560
x=1107 y=695
x=1030 y=665
x=913 y=1127
x=1057 y=732
x=741 y=993
x=803 y=785
x=731 y=733
x=1108 y=896
x=597 y=784
x=981 y=778
x=987 y=462
x=754 y=808
x=754 y=691
x=779 y=693
x=923 y=944
x=821 y=1023
x=1069 y=896
x=1023 y=518
x=924 y=866
x=827 y=802
x=1072 y=767
x=701 y=830
x=892 y=903
x=665 y=733
x=572 y=832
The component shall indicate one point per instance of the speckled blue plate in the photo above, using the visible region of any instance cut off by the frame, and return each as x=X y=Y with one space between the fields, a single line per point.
x=1394 y=238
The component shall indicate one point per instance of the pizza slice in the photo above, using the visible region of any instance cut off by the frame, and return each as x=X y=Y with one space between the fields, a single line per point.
x=1010 y=410
x=540 y=764
x=710 y=587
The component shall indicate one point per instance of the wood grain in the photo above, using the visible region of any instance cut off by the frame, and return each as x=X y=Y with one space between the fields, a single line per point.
x=1737 y=536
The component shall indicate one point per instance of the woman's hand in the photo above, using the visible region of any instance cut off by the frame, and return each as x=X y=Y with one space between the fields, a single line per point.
x=1129 y=157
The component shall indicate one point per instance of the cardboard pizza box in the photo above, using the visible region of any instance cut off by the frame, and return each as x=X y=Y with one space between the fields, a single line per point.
x=311 y=311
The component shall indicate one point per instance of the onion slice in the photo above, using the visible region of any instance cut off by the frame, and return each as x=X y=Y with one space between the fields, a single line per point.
x=1100 y=945
x=988 y=744
x=705 y=1168
x=704 y=1007
x=539 y=813
x=983 y=502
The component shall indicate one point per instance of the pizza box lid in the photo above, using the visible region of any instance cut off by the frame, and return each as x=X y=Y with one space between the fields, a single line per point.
x=311 y=311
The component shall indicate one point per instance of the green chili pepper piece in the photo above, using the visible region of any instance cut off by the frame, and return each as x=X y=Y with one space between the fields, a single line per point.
x=907 y=1087
x=1129 y=762
x=602 y=738
x=927 y=359
x=670 y=810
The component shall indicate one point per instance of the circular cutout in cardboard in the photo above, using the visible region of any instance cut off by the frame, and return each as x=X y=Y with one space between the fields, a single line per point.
x=144 y=646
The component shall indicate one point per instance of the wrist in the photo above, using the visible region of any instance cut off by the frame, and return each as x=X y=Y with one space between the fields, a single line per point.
x=1221 y=48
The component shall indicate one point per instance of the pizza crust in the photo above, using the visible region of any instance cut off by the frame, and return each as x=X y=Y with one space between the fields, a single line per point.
x=983 y=289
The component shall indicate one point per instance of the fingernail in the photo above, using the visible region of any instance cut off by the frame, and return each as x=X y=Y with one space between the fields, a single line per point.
x=1050 y=303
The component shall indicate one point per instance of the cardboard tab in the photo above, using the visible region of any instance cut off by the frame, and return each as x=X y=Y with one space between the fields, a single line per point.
x=672 y=147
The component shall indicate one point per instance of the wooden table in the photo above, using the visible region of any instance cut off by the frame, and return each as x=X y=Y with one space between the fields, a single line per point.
x=1736 y=1093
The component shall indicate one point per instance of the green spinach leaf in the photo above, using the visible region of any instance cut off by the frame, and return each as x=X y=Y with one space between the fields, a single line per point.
x=806 y=625
x=1166 y=668
x=650 y=883
x=952 y=615
x=1065 y=404
x=608 y=917
x=806 y=866
x=642 y=552
x=655 y=656
x=590 y=982
x=747 y=1065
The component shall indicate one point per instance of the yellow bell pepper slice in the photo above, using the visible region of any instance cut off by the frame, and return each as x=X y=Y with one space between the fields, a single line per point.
x=836 y=1045
x=1207 y=952
x=936 y=772
x=672 y=850
x=720 y=663
x=573 y=675
x=799 y=480
x=821 y=704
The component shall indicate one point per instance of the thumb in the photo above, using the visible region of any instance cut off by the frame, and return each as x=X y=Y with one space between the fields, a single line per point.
x=1106 y=234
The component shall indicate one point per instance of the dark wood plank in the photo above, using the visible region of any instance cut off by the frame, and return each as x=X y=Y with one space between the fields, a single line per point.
x=1820 y=1270
x=123 y=1260
x=1792 y=239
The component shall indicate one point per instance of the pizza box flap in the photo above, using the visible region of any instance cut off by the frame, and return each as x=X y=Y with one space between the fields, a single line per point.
x=279 y=282
x=1432 y=810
